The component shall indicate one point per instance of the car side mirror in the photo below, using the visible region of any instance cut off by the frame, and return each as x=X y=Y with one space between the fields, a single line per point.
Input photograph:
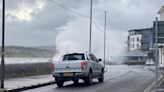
x=99 y=59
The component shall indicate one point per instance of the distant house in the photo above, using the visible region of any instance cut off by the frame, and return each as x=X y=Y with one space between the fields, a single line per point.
x=141 y=39
x=135 y=56
x=132 y=57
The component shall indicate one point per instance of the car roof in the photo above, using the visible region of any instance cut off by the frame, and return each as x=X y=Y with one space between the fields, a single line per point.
x=79 y=53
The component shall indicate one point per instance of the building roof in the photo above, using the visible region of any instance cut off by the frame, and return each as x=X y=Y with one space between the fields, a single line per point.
x=139 y=29
x=135 y=53
x=162 y=8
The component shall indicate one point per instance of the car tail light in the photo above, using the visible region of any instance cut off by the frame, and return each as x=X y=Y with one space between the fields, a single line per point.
x=82 y=66
x=53 y=65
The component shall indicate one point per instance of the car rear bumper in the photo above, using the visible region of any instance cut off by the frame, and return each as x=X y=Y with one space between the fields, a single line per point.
x=149 y=64
x=76 y=75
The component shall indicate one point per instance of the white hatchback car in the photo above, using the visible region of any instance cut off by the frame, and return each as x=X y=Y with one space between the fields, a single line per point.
x=150 y=62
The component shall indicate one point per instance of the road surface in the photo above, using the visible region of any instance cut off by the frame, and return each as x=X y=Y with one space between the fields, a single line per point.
x=119 y=78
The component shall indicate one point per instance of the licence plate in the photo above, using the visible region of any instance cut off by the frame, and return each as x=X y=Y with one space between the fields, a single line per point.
x=68 y=74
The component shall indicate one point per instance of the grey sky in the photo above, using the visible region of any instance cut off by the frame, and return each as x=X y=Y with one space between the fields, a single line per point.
x=42 y=22
x=122 y=15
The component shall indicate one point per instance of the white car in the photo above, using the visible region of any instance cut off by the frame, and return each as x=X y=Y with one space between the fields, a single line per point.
x=150 y=62
x=75 y=66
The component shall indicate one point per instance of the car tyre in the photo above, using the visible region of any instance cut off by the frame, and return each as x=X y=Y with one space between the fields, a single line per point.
x=59 y=82
x=88 y=79
x=101 y=79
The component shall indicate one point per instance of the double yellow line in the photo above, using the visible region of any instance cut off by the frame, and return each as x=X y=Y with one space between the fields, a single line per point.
x=159 y=84
x=153 y=84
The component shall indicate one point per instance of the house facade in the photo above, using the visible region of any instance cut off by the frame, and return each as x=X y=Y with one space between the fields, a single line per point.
x=160 y=43
x=141 y=39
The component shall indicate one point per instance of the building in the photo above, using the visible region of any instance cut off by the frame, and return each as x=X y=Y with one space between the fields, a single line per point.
x=141 y=39
x=134 y=57
x=160 y=43
x=161 y=12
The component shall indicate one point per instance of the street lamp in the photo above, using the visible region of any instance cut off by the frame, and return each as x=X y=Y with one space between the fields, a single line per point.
x=3 y=39
x=156 y=41
x=104 y=38
x=90 y=27
x=108 y=46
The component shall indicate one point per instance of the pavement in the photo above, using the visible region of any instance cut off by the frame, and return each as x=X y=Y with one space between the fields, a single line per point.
x=161 y=82
x=31 y=81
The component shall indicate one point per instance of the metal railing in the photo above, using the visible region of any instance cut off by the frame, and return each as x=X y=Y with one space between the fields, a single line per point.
x=144 y=40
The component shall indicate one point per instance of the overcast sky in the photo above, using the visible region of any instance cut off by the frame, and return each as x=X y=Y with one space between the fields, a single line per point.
x=42 y=22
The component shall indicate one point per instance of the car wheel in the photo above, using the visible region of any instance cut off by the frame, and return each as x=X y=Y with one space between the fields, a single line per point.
x=88 y=80
x=59 y=82
x=75 y=82
x=101 y=79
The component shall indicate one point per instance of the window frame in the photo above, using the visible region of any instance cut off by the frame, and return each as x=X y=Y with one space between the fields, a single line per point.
x=92 y=57
x=64 y=56
x=137 y=45
x=137 y=38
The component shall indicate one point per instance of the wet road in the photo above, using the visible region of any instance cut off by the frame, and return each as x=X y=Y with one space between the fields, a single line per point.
x=120 y=78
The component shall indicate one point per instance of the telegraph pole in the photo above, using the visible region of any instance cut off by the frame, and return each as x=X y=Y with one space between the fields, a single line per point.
x=90 y=27
x=3 y=39
x=104 y=38
x=156 y=62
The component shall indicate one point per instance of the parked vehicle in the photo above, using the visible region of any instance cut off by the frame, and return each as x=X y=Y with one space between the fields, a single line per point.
x=150 y=62
x=75 y=66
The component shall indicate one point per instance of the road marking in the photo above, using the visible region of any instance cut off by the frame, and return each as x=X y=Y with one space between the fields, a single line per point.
x=153 y=84
x=148 y=89
x=161 y=89
x=159 y=83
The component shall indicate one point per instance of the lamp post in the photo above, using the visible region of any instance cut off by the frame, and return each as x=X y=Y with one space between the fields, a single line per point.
x=90 y=28
x=3 y=39
x=156 y=60
x=104 y=38
x=108 y=45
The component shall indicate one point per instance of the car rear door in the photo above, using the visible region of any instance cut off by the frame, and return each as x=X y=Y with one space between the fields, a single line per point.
x=94 y=65
x=98 y=68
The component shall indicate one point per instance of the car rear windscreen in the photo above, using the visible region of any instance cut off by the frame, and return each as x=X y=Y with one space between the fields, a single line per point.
x=74 y=57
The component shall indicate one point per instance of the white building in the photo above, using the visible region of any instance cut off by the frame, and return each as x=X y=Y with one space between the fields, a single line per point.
x=161 y=12
x=161 y=57
x=140 y=39
x=134 y=41
x=161 y=46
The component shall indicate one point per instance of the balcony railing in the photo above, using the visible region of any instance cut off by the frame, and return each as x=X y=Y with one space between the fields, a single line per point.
x=144 y=40
x=144 y=47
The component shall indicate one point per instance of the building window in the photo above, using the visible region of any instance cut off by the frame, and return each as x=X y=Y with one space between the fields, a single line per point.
x=133 y=45
x=137 y=38
x=137 y=45
x=133 y=39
